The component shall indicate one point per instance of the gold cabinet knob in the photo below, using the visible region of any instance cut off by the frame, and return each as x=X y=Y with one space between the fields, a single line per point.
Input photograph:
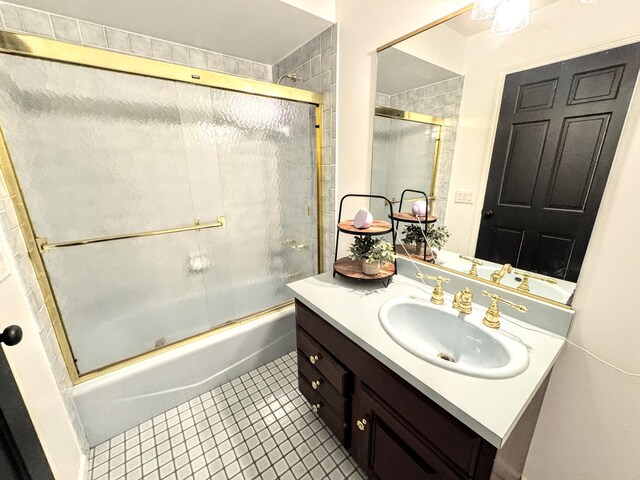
x=315 y=384
x=315 y=407
x=362 y=424
x=314 y=358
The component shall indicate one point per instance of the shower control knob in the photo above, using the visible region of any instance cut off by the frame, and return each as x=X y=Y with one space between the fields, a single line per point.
x=11 y=335
x=314 y=358
x=486 y=214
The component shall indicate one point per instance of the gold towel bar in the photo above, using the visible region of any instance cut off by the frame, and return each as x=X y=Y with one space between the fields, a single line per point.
x=44 y=246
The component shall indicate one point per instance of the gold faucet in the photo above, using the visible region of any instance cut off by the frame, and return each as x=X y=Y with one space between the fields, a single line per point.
x=462 y=301
x=437 y=297
x=498 y=274
x=524 y=285
x=492 y=317
x=474 y=264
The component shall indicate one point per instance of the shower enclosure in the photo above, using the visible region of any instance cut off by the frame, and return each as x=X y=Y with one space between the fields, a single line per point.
x=162 y=208
x=406 y=149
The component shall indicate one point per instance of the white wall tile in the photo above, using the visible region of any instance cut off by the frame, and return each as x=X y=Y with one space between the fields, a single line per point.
x=140 y=45
x=93 y=35
x=36 y=22
x=117 y=40
x=11 y=17
x=66 y=29
x=161 y=49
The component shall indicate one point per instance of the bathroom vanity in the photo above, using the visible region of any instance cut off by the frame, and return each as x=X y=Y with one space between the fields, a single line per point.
x=396 y=413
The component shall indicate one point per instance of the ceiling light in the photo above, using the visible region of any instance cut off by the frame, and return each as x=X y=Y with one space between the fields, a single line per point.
x=511 y=16
x=484 y=9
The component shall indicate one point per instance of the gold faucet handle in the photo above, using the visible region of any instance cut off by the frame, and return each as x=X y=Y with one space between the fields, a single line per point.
x=492 y=317
x=524 y=285
x=437 y=297
x=474 y=264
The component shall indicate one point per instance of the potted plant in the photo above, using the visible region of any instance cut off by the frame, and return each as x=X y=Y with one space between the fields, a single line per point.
x=436 y=237
x=372 y=252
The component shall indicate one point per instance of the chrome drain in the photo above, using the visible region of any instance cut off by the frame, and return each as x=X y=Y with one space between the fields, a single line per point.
x=447 y=357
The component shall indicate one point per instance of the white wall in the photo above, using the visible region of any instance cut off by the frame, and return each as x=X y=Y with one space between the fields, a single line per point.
x=441 y=46
x=590 y=419
x=36 y=380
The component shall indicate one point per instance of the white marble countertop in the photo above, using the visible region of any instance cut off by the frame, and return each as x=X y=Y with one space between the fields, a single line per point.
x=490 y=407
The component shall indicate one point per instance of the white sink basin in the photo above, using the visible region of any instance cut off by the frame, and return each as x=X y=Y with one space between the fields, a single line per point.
x=542 y=289
x=432 y=332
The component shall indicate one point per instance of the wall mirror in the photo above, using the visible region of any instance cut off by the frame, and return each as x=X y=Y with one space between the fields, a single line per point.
x=510 y=137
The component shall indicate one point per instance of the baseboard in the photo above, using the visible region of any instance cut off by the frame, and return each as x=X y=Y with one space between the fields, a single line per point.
x=83 y=471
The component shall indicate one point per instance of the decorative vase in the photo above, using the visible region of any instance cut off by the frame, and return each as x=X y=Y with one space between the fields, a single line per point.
x=370 y=268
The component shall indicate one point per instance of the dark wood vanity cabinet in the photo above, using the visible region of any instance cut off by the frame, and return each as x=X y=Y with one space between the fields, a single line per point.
x=390 y=428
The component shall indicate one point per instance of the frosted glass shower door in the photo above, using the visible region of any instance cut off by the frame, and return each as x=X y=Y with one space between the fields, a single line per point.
x=266 y=165
x=403 y=155
x=101 y=153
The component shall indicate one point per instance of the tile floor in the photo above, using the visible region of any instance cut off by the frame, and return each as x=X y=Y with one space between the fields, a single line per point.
x=257 y=426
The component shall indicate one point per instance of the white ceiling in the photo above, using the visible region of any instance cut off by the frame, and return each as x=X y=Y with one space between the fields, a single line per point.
x=259 y=30
x=399 y=71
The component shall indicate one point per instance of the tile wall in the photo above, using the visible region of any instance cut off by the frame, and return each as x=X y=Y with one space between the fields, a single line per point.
x=14 y=18
x=315 y=65
x=440 y=99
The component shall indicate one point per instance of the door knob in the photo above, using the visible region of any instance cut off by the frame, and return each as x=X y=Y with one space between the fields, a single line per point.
x=362 y=424
x=487 y=213
x=11 y=335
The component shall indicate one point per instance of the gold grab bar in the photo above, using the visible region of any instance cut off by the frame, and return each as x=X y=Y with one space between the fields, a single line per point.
x=44 y=246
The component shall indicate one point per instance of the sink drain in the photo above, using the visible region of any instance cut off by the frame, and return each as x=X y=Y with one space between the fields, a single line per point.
x=447 y=357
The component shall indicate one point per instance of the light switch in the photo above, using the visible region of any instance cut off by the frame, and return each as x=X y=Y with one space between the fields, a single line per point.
x=464 y=196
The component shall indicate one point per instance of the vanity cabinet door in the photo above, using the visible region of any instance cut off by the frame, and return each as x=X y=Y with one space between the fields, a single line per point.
x=388 y=448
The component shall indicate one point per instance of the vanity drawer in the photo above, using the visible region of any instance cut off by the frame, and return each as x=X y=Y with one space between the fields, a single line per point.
x=334 y=421
x=317 y=356
x=311 y=374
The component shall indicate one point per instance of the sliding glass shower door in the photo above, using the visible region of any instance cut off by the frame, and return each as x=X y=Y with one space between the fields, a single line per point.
x=102 y=154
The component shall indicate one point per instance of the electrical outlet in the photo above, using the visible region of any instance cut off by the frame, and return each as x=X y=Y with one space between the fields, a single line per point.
x=464 y=196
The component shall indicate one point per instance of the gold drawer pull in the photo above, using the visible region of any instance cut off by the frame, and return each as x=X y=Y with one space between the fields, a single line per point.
x=314 y=358
x=315 y=384
x=361 y=424
x=315 y=407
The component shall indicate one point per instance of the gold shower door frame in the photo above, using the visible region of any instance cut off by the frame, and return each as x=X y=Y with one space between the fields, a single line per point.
x=53 y=50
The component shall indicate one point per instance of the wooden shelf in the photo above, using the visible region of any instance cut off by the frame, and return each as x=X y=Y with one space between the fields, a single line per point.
x=411 y=218
x=378 y=227
x=348 y=268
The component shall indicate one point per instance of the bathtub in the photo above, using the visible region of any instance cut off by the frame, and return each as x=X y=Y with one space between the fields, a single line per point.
x=120 y=400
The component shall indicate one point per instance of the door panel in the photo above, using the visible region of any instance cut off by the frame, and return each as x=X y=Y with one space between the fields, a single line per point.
x=556 y=138
x=576 y=161
x=523 y=161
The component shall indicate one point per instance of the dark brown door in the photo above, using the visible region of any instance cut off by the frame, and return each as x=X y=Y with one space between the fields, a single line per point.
x=557 y=135
x=21 y=455
x=387 y=447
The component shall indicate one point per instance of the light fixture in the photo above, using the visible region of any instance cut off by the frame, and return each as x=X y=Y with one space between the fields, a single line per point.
x=511 y=16
x=484 y=9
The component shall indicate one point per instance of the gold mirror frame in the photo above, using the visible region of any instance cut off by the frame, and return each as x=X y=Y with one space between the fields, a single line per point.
x=53 y=50
x=441 y=267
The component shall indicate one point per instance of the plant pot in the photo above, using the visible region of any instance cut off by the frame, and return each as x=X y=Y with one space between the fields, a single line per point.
x=370 y=268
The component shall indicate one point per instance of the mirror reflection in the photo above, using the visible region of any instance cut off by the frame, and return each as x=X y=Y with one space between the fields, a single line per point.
x=510 y=138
